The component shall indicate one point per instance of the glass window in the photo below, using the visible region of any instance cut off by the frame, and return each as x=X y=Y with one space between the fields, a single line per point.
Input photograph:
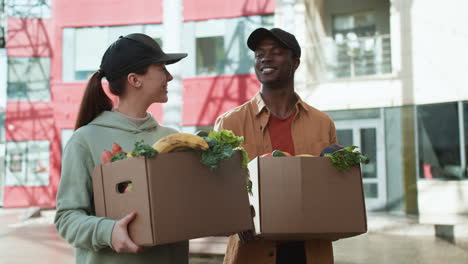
x=218 y=45
x=268 y=21
x=2 y=155
x=369 y=147
x=3 y=79
x=371 y=190
x=345 y=137
x=210 y=55
x=439 y=142
x=359 y=24
x=38 y=163
x=465 y=123
x=66 y=135
x=83 y=47
x=27 y=163
x=88 y=53
x=155 y=31
x=15 y=163
x=28 y=79
x=29 y=8
x=2 y=35
x=358 y=49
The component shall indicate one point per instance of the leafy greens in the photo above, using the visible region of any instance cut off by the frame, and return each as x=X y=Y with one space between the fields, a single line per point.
x=345 y=158
x=222 y=145
x=142 y=149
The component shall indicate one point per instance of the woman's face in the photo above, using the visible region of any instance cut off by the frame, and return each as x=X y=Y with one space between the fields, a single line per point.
x=154 y=82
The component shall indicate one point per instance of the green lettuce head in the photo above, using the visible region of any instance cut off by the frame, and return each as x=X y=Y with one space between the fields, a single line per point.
x=227 y=136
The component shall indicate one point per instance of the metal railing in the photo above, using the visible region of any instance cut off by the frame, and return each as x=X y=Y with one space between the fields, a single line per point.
x=359 y=56
x=2 y=24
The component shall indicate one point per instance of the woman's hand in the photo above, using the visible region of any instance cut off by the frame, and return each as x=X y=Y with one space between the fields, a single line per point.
x=121 y=241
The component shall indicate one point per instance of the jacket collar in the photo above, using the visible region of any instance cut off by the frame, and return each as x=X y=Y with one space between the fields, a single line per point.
x=261 y=106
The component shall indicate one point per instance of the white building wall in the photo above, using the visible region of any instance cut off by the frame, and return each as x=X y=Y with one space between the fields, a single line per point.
x=3 y=79
x=442 y=197
x=369 y=93
x=353 y=93
x=440 y=56
x=3 y=101
x=429 y=65
x=429 y=58
x=172 y=42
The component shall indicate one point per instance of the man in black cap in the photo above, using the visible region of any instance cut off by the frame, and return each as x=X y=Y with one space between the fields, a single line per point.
x=277 y=119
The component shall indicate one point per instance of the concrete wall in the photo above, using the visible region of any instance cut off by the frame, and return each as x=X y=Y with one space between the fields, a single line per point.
x=361 y=92
x=356 y=94
x=3 y=94
x=443 y=197
x=428 y=55
x=3 y=79
x=440 y=57
x=429 y=61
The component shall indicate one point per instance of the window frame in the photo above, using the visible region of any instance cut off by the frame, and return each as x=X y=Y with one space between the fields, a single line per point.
x=70 y=51
x=27 y=95
x=23 y=177
x=25 y=9
x=462 y=142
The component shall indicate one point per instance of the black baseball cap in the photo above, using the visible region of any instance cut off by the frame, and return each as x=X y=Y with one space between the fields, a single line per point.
x=132 y=52
x=285 y=38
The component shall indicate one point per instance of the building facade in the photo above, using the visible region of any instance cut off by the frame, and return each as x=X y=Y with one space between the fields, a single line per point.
x=52 y=46
x=389 y=72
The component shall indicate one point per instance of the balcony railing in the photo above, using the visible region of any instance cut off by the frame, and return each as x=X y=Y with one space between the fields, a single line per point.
x=358 y=56
x=2 y=24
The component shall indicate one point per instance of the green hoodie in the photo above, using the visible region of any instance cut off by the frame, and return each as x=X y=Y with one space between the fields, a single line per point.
x=75 y=219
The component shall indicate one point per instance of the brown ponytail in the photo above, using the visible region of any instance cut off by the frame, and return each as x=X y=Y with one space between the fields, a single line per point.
x=94 y=102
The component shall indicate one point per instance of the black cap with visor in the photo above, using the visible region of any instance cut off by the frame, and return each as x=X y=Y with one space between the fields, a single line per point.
x=132 y=52
x=286 y=39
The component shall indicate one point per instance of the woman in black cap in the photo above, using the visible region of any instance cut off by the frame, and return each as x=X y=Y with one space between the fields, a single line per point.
x=135 y=67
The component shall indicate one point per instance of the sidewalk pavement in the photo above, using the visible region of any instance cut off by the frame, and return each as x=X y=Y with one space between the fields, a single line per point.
x=452 y=228
x=25 y=240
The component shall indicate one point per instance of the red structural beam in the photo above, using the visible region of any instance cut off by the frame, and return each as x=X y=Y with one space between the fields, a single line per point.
x=29 y=37
x=212 y=9
x=205 y=98
x=86 y=13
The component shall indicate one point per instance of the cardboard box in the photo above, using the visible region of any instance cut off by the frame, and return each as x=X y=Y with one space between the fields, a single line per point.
x=176 y=197
x=298 y=198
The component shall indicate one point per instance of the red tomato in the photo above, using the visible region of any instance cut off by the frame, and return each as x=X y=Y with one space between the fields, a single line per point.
x=267 y=155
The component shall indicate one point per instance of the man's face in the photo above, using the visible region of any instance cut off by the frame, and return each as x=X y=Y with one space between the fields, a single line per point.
x=273 y=62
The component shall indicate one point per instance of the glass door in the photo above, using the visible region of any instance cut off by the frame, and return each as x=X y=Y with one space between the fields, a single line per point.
x=367 y=134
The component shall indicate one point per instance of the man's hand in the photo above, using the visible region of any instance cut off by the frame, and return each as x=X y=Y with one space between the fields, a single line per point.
x=252 y=211
x=248 y=235
x=121 y=241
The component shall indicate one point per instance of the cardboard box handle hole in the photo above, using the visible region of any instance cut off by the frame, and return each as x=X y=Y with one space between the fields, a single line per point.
x=124 y=187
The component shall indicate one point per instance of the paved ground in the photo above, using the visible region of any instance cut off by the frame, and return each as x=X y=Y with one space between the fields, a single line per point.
x=390 y=240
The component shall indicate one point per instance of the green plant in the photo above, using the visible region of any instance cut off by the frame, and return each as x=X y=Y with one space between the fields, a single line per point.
x=142 y=149
x=345 y=158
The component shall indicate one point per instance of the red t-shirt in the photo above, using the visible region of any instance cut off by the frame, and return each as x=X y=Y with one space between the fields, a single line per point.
x=280 y=133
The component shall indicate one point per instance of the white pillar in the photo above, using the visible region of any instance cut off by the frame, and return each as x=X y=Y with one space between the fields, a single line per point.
x=172 y=43
x=3 y=99
x=285 y=15
x=3 y=79
x=396 y=35
x=290 y=16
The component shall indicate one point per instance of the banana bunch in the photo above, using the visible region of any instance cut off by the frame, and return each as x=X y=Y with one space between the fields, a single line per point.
x=180 y=142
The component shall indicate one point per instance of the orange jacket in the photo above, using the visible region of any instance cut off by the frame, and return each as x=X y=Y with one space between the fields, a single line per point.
x=312 y=131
